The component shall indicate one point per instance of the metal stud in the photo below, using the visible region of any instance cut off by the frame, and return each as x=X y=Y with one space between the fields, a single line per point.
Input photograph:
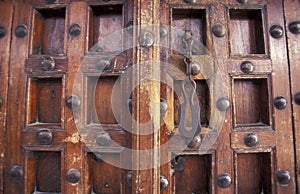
x=21 y=31
x=163 y=183
x=276 y=31
x=73 y=176
x=251 y=140
x=103 y=139
x=219 y=30
x=224 y=180
x=47 y=64
x=247 y=67
x=223 y=104
x=163 y=31
x=74 y=30
x=2 y=32
x=1 y=101
x=283 y=177
x=190 y=1
x=297 y=98
x=163 y=106
x=280 y=103
x=51 y=1
x=178 y=163
x=195 y=142
x=195 y=68
x=73 y=102
x=129 y=27
x=103 y=63
x=16 y=173
x=146 y=39
x=44 y=136
x=242 y=1
x=294 y=27
x=129 y=179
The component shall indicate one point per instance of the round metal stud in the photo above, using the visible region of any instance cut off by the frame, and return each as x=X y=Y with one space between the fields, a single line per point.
x=103 y=63
x=224 y=180
x=219 y=30
x=195 y=68
x=283 y=177
x=223 y=104
x=242 y=1
x=74 y=30
x=73 y=176
x=129 y=102
x=21 y=31
x=297 y=98
x=103 y=139
x=1 y=101
x=280 y=102
x=2 y=32
x=251 y=140
x=276 y=31
x=16 y=173
x=51 y=1
x=163 y=31
x=47 y=64
x=44 y=136
x=129 y=27
x=146 y=39
x=163 y=183
x=190 y=1
x=129 y=179
x=247 y=67
x=294 y=27
x=195 y=143
x=163 y=106
x=73 y=102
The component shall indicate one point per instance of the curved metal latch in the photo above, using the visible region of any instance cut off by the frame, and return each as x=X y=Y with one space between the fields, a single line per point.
x=189 y=128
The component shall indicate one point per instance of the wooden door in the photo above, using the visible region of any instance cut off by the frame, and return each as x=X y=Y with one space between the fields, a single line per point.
x=93 y=99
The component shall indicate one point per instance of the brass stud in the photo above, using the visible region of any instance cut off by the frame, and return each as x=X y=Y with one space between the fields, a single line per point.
x=163 y=106
x=242 y=1
x=73 y=176
x=103 y=63
x=219 y=30
x=74 y=30
x=163 y=31
x=276 y=31
x=294 y=27
x=195 y=68
x=21 y=31
x=190 y=1
x=247 y=67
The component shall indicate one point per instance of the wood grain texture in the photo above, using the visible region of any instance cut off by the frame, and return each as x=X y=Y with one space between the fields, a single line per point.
x=292 y=13
x=6 y=17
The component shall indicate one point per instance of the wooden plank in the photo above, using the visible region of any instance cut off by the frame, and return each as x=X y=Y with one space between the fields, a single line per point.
x=16 y=94
x=292 y=13
x=6 y=17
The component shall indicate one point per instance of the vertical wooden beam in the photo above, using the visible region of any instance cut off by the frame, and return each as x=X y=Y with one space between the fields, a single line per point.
x=282 y=118
x=146 y=179
x=75 y=52
x=6 y=16
x=224 y=154
x=292 y=14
